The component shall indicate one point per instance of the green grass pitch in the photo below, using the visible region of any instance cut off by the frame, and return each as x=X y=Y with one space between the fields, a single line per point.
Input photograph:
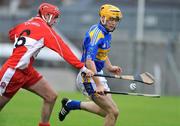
x=24 y=110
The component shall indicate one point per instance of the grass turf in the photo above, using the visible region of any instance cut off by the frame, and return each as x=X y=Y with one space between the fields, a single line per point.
x=24 y=110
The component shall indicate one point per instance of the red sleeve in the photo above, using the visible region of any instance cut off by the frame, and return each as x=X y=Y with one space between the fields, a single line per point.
x=54 y=42
x=11 y=34
x=14 y=31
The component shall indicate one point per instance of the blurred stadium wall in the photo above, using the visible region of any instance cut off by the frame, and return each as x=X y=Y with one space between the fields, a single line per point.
x=156 y=52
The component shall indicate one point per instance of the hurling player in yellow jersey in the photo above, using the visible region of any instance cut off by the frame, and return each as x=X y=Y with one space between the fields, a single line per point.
x=96 y=46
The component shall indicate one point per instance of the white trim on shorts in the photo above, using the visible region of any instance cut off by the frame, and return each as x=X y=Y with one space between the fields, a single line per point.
x=6 y=79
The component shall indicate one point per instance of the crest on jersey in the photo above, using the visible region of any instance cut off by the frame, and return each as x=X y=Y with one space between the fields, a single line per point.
x=104 y=45
x=3 y=85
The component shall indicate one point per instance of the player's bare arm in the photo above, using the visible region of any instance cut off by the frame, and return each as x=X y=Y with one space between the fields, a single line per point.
x=113 y=69
x=91 y=65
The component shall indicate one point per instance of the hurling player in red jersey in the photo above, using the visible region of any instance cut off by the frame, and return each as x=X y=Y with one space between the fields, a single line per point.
x=17 y=72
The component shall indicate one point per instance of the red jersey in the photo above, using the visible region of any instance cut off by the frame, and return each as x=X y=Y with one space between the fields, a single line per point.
x=30 y=37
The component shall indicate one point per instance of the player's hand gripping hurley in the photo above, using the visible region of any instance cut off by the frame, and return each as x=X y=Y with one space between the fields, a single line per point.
x=145 y=78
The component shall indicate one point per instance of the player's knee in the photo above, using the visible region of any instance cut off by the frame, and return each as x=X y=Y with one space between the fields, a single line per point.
x=51 y=98
x=115 y=112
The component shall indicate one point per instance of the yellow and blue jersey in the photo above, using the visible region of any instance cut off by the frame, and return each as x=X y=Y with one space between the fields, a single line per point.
x=96 y=45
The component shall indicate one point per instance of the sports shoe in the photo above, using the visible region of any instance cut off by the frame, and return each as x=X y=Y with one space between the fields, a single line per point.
x=64 y=110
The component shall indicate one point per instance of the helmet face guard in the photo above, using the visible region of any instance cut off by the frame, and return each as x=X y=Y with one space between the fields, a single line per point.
x=49 y=13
